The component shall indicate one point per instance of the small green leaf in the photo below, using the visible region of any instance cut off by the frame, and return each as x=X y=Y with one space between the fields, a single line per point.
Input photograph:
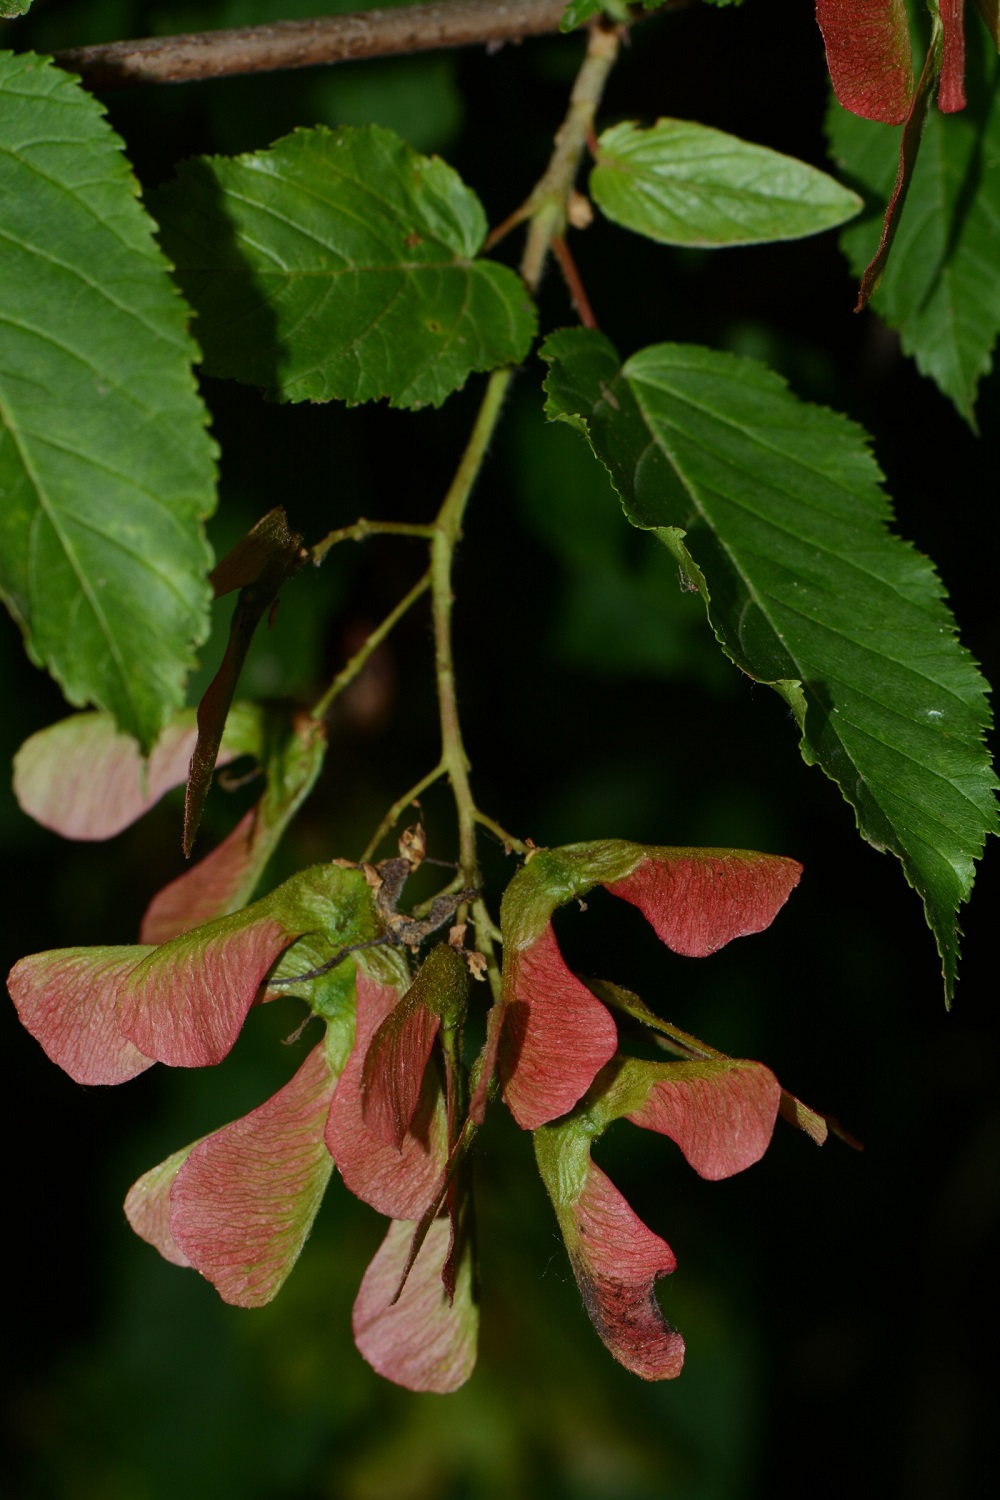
x=341 y=265
x=773 y=508
x=106 y=469
x=684 y=184
x=939 y=288
x=11 y=8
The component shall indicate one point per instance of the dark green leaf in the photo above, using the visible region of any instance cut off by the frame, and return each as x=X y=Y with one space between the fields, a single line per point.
x=106 y=470
x=341 y=265
x=772 y=508
x=990 y=12
x=684 y=184
x=940 y=288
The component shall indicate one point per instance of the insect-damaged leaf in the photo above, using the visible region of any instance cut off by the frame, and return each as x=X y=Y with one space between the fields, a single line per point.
x=773 y=510
x=106 y=468
x=341 y=265
x=682 y=183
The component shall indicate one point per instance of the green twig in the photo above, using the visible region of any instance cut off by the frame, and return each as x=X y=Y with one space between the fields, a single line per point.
x=360 y=657
x=509 y=842
x=397 y=809
x=364 y=528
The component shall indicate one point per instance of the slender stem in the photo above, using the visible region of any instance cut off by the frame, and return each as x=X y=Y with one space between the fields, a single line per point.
x=574 y=284
x=398 y=808
x=362 y=528
x=548 y=201
x=360 y=657
x=510 y=843
x=547 y=208
x=446 y=533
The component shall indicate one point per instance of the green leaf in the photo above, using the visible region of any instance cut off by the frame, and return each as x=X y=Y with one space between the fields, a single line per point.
x=773 y=509
x=578 y=11
x=10 y=8
x=940 y=288
x=684 y=184
x=106 y=469
x=341 y=265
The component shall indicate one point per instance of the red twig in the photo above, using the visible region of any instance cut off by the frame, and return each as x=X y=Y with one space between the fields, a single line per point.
x=575 y=286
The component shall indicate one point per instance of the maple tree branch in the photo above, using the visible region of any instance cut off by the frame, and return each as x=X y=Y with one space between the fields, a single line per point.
x=310 y=43
x=547 y=208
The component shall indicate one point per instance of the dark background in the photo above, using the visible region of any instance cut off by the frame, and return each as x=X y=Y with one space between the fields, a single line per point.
x=835 y=1304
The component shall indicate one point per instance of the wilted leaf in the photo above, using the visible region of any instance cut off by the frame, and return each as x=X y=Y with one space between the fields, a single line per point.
x=939 y=288
x=258 y=566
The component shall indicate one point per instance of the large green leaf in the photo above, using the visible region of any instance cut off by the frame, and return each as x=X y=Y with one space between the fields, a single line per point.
x=684 y=184
x=341 y=264
x=106 y=468
x=940 y=288
x=773 y=510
